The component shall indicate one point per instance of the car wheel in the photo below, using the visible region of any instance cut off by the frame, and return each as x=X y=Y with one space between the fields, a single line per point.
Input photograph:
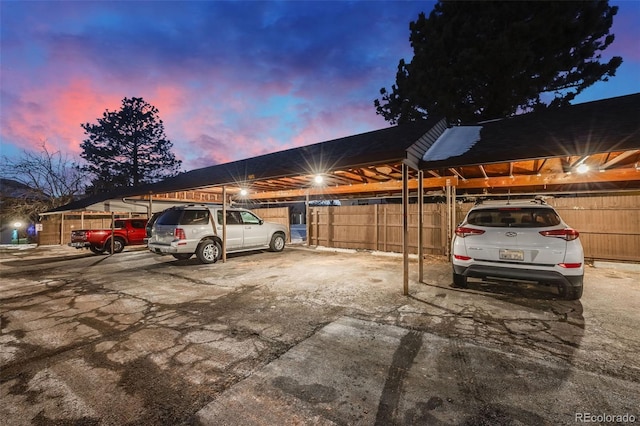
x=277 y=242
x=96 y=250
x=182 y=256
x=118 y=245
x=209 y=251
x=459 y=281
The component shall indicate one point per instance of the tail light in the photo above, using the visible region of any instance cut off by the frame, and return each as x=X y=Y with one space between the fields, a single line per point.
x=570 y=265
x=461 y=257
x=463 y=231
x=179 y=234
x=566 y=234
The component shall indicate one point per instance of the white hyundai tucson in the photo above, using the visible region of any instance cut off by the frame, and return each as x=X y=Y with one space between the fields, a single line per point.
x=518 y=240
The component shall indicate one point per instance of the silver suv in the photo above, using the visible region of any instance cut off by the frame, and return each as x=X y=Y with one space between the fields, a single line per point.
x=197 y=229
x=518 y=240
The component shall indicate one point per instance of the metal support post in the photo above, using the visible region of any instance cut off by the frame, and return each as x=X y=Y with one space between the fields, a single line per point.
x=420 y=226
x=405 y=227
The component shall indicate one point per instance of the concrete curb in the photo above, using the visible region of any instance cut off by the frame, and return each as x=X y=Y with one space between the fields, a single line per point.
x=630 y=267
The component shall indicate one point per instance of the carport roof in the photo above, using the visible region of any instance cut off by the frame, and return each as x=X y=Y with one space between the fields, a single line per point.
x=385 y=146
x=578 y=130
x=531 y=152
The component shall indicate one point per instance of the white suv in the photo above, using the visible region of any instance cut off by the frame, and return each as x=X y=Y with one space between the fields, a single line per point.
x=185 y=230
x=518 y=240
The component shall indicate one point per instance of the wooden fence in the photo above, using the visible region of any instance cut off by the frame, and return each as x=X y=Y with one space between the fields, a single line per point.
x=56 y=229
x=609 y=226
x=277 y=215
x=376 y=227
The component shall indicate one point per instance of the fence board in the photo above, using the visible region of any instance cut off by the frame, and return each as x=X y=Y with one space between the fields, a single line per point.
x=276 y=215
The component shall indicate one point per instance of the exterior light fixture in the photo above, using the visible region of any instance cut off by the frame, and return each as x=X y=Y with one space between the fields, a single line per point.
x=16 y=231
x=582 y=168
x=243 y=192
x=318 y=179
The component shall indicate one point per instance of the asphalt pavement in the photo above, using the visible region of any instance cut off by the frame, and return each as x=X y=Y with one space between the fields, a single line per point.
x=307 y=337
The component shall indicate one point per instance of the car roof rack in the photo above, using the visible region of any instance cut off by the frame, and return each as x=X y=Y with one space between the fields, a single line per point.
x=538 y=199
x=200 y=204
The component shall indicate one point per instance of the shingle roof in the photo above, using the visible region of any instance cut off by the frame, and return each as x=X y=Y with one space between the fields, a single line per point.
x=594 y=127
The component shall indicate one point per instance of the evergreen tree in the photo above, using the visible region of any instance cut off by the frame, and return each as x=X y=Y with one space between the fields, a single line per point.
x=482 y=60
x=128 y=147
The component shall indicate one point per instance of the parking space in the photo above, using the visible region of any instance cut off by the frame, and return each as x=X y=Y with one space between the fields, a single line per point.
x=305 y=336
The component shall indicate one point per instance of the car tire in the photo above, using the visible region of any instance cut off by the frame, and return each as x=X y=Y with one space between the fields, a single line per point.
x=118 y=245
x=459 y=281
x=182 y=256
x=209 y=251
x=277 y=242
x=96 y=250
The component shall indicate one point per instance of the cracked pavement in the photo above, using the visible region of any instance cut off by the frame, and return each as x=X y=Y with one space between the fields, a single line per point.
x=305 y=336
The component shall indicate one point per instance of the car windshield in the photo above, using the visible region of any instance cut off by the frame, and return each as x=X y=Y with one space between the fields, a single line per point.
x=520 y=217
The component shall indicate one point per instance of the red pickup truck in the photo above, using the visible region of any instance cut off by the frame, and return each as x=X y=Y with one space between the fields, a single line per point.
x=125 y=232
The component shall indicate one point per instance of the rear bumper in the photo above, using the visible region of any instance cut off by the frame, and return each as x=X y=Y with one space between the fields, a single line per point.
x=162 y=249
x=482 y=271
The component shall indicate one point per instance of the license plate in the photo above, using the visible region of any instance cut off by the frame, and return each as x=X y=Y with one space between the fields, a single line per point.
x=507 y=254
x=77 y=244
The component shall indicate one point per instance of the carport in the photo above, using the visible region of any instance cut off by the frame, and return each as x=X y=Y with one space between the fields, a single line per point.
x=587 y=148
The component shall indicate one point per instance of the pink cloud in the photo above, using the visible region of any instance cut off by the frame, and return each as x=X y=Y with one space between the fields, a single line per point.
x=54 y=114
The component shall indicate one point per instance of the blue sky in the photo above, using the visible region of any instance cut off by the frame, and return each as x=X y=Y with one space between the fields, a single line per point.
x=230 y=79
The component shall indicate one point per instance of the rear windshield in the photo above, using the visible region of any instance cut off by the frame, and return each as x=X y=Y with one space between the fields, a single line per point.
x=169 y=217
x=184 y=217
x=520 y=217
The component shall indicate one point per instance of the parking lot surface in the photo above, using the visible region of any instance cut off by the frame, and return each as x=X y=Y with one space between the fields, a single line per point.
x=306 y=337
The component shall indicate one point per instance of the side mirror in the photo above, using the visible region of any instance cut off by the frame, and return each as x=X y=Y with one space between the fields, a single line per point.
x=261 y=221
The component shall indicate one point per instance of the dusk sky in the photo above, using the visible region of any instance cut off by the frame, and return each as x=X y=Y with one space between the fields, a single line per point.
x=231 y=80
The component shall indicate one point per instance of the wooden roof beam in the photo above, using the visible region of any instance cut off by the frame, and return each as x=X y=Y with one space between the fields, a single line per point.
x=539 y=168
x=613 y=175
x=375 y=170
x=348 y=175
x=619 y=158
x=391 y=186
x=455 y=172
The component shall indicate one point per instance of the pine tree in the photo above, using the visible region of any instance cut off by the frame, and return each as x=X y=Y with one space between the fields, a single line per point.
x=476 y=60
x=128 y=147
